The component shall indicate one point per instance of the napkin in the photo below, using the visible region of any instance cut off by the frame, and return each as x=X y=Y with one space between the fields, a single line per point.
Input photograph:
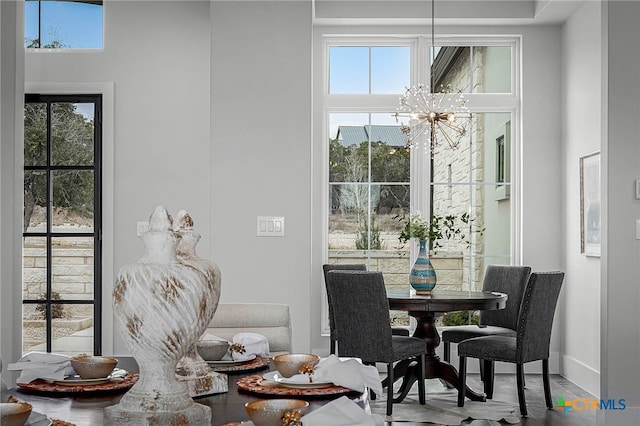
x=254 y=344
x=341 y=412
x=42 y=365
x=346 y=372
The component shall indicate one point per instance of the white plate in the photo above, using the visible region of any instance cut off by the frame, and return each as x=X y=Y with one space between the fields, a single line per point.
x=274 y=376
x=232 y=361
x=73 y=381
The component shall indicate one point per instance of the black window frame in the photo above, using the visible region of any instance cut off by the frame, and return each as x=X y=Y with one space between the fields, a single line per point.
x=48 y=168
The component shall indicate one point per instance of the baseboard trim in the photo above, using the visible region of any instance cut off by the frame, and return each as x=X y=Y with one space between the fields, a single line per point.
x=581 y=375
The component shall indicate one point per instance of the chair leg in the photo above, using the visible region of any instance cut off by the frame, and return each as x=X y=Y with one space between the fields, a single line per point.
x=390 y=389
x=332 y=346
x=421 y=391
x=447 y=351
x=481 y=362
x=520 y=384
x=488 y=377
x=545 y=381
x=462 y=371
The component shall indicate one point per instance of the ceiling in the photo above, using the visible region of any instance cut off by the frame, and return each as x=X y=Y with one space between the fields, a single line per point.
x=449 y=12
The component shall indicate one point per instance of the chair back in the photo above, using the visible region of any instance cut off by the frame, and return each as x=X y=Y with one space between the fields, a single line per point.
x=338 y=267
x=536 y=316
x=361 y=314
x=509 y=279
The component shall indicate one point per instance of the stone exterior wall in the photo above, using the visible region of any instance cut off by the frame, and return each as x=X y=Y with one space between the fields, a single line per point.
x=72 y=269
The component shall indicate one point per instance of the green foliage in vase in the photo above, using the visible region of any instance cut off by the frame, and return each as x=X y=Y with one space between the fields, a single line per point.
x=439 y=228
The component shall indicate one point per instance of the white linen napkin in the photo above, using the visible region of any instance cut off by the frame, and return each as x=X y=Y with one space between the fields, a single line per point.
x=341 y=412
x=346 y=372
x=42 y=365
x=254 y=344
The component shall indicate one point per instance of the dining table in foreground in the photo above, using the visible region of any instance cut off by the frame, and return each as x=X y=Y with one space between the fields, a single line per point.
x=87 y=409
x=424 y=310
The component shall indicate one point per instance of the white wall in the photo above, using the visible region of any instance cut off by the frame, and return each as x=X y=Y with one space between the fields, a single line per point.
x=620 y=333
x=582 y=106
x=261 y=154
x=11 y=101
x=156 y=58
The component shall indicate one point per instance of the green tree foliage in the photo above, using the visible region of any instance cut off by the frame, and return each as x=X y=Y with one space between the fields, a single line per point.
x=350 y=164
x=71 y=145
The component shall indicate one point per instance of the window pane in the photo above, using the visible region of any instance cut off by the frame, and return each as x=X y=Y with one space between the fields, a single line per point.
x=35 y=134
x=492 y=69
x=348 y=209
x=35 y=201
x=349 y=69
x=72 y=134
x=451 y=69
x=73 y=333
x=34 y=269
x=72 y=267
x=73 y=201
x=390 y=69
x=63 y=24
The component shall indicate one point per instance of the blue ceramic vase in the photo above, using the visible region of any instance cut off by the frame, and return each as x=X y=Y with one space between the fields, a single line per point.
x=422 y=276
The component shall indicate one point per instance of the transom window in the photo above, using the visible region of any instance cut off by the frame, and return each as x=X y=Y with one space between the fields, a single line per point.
x=63 y=24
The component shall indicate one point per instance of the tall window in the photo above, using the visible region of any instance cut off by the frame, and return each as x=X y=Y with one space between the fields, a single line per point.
x=63 y=24
x=61 y=249
x=372 y=177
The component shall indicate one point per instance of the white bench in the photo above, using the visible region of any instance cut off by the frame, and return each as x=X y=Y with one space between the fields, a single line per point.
x=272 y=320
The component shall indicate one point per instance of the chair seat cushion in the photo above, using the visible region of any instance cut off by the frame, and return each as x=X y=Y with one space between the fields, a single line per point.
x=492 y=348
x=406 y=347
x=463 y=332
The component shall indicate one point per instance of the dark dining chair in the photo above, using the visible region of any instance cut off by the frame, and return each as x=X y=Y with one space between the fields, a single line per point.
x=531 y=342
x=507 y=279
x=361 y=318
x=399 y=331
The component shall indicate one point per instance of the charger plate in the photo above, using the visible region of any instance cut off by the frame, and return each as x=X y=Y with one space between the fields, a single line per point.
x=112 y=385
x=254 y=364
x=256 y=384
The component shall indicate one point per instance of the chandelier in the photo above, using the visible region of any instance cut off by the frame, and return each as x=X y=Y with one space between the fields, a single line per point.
x=439 y=116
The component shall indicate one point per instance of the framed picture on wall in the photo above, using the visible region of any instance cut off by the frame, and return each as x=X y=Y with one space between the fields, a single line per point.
x=590 y=204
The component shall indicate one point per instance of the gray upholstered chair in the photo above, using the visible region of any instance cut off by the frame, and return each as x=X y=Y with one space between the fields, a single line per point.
x=361 y=318
x=504 y=279
x=399 y=331
x=531 y=342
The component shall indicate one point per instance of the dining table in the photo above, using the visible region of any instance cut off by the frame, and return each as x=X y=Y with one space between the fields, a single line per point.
x=87 y=408
x=425 y=308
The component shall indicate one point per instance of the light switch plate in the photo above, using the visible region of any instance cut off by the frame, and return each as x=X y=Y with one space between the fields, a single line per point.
x=270 y=226
x=141 y=228
x=637 y=189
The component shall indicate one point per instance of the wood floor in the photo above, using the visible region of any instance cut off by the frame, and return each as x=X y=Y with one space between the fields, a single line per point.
x=505 y=390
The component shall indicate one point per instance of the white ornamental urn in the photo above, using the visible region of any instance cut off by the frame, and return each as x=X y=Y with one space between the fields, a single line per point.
x=160 y=308
x=192 y=368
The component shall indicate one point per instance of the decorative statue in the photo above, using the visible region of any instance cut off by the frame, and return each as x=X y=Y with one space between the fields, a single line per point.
x=161 y=307
x=192 y=368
